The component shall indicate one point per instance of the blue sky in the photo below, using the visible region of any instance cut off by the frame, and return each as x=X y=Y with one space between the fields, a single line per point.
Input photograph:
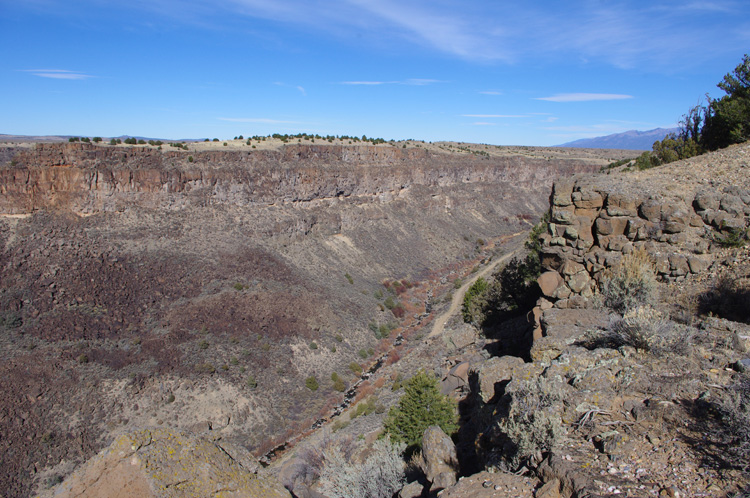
x=507 y=73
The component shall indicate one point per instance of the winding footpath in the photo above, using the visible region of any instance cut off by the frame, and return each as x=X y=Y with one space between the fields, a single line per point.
x=458 y=296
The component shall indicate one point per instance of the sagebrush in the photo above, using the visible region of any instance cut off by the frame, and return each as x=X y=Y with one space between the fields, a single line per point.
x=630 y=284
x=533 y=423
x=379 y=476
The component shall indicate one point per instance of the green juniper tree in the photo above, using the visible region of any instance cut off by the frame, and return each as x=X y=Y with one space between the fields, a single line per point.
x=421 y=406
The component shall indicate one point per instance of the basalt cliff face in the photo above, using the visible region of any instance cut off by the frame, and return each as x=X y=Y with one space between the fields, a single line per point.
x=90 y=179
x=203 y=290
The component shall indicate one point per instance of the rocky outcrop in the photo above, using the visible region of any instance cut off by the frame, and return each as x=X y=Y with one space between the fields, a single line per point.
x=160 y=463
x=676 y=214
x=87 y=178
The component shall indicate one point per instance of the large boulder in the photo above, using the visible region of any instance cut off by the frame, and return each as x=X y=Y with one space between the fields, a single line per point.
x=549 y=281
x=440 y=460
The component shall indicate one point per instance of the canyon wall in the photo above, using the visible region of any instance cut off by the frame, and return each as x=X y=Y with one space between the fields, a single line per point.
x=87 y=178
x=143 y=288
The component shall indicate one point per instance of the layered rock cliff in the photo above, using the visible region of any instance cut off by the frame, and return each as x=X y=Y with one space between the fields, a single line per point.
x=87 y=179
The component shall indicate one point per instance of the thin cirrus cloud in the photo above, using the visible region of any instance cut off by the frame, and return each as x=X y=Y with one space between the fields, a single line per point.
x=584 y=97
x=625 y=34
x=58 y=74
x=299 y=88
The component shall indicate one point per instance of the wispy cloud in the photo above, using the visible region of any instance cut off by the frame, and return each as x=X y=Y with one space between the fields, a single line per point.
x=299 y=88
x=483 y=123
x=625 y=34
x=584 y=97
x=495 y=115
x=258 y=120
x=58 y=74
x=491 y=92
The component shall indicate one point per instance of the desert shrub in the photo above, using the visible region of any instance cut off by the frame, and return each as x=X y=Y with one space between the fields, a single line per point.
x=514 y=289
x=83 y=359
x=646 y=329
x=731 y=237
x=389 y=302
x=379 y=476
x=398 y=311
x=113 y=142
x=203 y=344
x=355 y=367
x=251 y=382
x=362 y=353
x=97 y=139
x=308 y=467
x=312 y=383
x=366 y=407
x=474 y=302
x=349 y=278
x=734 y=411
x=338 y=337
x=205 y=368
x=190 y=159
x=313 y=345
x=421 y=406
x=338 y=382
x=533 y=423
x=630 y=284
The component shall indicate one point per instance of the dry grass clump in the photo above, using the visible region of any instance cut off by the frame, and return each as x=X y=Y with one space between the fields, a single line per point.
x=631 y=284
x=645 y=329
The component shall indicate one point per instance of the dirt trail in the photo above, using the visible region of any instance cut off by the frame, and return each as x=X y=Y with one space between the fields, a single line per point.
x=458 y=296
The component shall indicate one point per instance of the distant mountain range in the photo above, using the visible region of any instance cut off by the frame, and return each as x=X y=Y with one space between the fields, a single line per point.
x=630 y=140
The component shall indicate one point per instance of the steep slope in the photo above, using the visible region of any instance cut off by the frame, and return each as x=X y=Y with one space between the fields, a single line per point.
x=644 y=395
x=200 y=290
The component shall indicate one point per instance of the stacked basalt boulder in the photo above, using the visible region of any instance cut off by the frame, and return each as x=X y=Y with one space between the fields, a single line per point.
x=594 y=222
